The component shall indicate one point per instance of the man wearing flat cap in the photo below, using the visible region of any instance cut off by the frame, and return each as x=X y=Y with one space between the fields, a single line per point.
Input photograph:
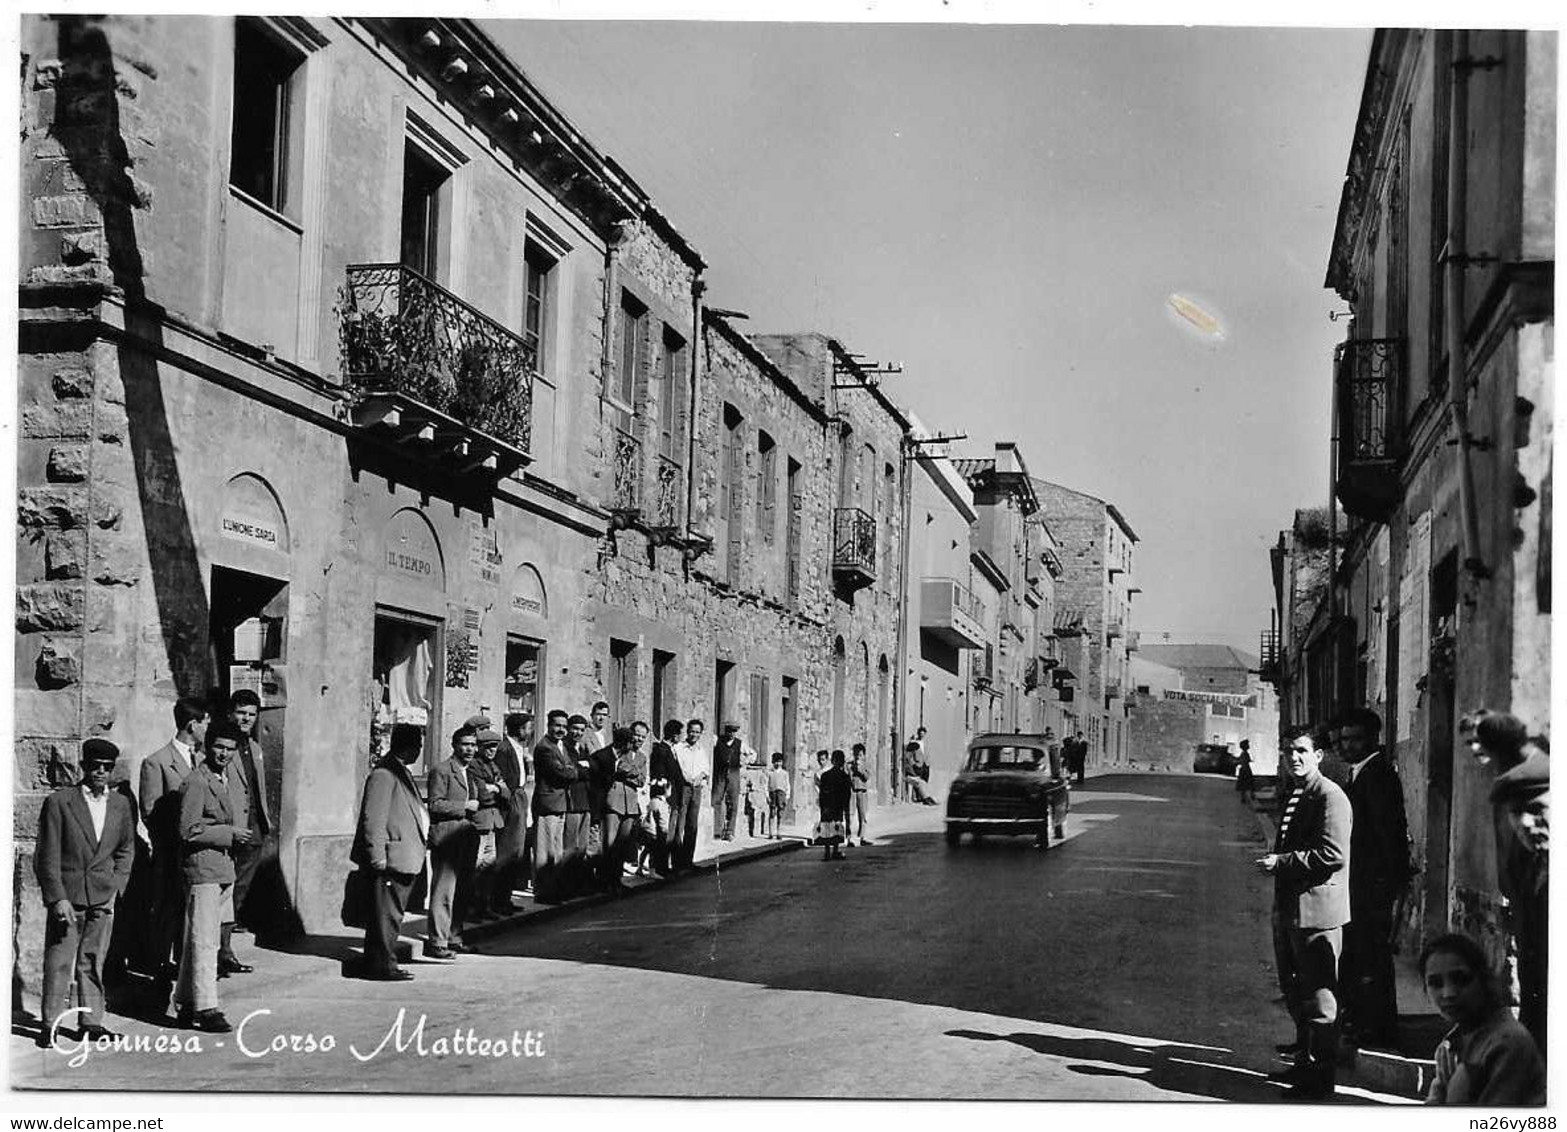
x=86 y=842
x=727 y=759
x=1524 y=792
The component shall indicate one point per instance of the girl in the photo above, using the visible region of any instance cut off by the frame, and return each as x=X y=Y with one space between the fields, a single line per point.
x=1487 y=1058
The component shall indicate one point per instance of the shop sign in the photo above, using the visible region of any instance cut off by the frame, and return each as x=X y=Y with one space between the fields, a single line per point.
x=257 y=532
x=484 y=553
x=527 y=592
x=522 y=603
x=411 y=551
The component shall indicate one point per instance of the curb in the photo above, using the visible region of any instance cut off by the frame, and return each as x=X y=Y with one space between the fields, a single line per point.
x=539 y=913
x=1392 y=1073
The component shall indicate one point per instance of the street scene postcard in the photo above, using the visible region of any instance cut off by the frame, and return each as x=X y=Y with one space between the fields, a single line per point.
x=741 y=555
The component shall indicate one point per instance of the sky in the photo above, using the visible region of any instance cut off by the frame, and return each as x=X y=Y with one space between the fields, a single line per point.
x=1008 y=212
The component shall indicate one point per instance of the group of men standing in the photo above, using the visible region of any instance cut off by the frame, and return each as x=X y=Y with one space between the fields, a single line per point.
x=562 y=816
x=1342 y=867
x=191 y=833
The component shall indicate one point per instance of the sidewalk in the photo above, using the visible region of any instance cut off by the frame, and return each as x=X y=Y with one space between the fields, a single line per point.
x=1407 y=1070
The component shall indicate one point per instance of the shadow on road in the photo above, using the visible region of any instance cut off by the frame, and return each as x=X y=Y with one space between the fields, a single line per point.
x=1168 y=1068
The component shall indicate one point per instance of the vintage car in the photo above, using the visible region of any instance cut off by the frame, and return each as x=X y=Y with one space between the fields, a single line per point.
x=1215 y=758
x=1009 y=784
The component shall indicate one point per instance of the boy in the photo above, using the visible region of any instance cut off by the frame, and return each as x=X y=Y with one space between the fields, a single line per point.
x=777 y=794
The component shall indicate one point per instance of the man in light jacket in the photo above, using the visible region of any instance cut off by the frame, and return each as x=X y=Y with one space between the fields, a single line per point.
x=162 y=774
x=452 y=792
x=390 y=840
x=1310 y=869
x=214 y=821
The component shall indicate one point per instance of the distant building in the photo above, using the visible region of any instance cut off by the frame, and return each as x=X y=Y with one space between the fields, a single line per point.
x=1185 y=694
x=1094 y=594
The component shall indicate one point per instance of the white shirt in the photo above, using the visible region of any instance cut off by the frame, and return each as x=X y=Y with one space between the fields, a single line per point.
x=183 y=752
x=98 y=807
x=597 y=740
x=693 y=759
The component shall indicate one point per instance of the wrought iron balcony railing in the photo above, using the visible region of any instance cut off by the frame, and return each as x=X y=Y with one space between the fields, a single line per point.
x=1369 y=373
x=1113 y=690
x=404 y=335
x=626 y=462
x=854 y=546
x=666 y=502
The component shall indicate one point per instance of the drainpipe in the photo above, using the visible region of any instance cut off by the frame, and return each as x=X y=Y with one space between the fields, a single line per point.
x=698 y=288
x=900 y=684
x=1453 y=299
x=1333 y=449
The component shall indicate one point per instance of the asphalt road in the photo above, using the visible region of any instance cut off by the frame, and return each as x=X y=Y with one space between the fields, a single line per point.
x=1130 y=962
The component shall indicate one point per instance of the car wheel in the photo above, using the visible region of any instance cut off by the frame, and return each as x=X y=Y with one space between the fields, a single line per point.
x=1042 y=839
x=954 y=836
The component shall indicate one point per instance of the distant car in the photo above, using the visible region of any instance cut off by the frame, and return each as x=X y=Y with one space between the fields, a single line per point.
x=1008 y=786
x=1215 y=758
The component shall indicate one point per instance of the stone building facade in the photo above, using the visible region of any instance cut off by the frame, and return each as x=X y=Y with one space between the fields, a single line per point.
x=1094 y=596
x=867 y=562
x=318 y=419
x=1440 y=604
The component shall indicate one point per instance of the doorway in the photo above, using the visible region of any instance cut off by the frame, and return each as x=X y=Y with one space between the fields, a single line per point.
x=1441 y=721
x=524 y=687
x=247 y=648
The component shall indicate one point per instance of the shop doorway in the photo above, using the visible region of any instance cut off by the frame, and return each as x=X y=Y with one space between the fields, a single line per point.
x=406 y=670
x=247 y=642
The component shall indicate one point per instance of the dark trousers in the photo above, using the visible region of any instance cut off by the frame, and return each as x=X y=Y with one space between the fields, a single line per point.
x=74 y=952
x=165 y=912
x=248 y=861
x=1531 y=918
x=1370 y=1001
x=726 y=799
x=685 y=811
x=1307 y=960
x=386 y=920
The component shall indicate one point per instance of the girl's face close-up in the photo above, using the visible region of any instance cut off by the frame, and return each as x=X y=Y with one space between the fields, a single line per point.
x=1456 y=989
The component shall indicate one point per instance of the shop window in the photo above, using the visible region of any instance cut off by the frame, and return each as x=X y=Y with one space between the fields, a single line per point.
x=265 y=74
x=524 y=676
x=406 y=659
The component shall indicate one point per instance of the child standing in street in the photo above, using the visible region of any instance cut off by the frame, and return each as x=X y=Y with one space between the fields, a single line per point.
x=833 y=828
x=777 y=794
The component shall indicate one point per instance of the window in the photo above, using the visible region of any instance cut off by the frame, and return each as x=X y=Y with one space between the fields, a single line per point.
x=663 y=689
x=766 y=485
x=538 y=269
x=629 y=376
x=792 y=535
x=759 y=705
x=264 y=70
x=620 y=690
x=672 y=396
x=424 y=180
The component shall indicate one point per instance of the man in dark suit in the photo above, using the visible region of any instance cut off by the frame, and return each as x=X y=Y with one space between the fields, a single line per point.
x=1309 y=864
x=554 y=773
x=86 y=843
x=514 y=764
x=389 y=842
x=244 y=708
x=162 y=774
x=667 y=784
x=727 y=760
x=1379 y=875
x=452 y=793
x=583 y=807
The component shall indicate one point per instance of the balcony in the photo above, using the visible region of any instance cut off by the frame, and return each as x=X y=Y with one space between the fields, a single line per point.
x=951 y=614
x=984 y=668
x=1114 y=628
x=1368 y=372
x=625 y=497
x=1268 y=667
x=432 y=374
x=1113 y=690
x=853 y=548
x=1133 y=640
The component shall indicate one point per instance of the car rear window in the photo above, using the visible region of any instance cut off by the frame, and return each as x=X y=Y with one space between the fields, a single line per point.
x=1005 y=758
